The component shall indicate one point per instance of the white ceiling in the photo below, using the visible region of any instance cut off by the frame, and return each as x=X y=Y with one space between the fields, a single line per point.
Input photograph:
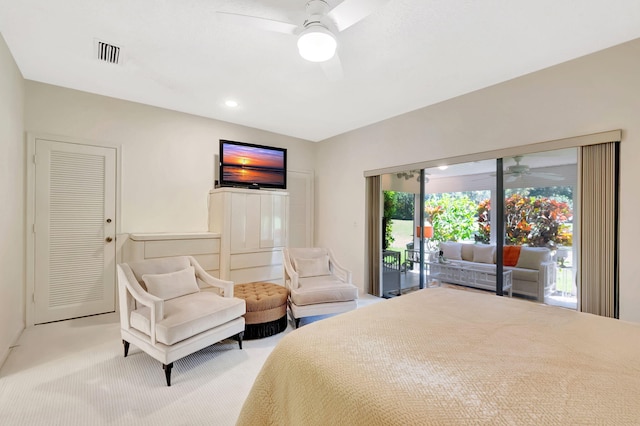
x=406 y=55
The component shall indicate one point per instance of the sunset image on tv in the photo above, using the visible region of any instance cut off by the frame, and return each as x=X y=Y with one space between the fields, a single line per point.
x=250 y=164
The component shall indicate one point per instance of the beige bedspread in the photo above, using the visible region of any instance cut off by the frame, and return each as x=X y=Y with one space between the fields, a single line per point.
x=444 y=356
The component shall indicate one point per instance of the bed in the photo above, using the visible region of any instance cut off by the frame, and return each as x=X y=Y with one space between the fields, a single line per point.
x=447 y=356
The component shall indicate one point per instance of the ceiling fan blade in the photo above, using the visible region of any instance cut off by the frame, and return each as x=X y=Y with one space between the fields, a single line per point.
x=260 y=23
x=350 y=12
x=549 y=176
x=333 y=68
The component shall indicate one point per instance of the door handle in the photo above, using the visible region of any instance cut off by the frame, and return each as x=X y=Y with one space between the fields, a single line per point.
x=108 y=239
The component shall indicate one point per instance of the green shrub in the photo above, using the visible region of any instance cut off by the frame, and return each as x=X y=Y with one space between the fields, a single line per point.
x=453 y=217
x=533 y=221
x=389 y=210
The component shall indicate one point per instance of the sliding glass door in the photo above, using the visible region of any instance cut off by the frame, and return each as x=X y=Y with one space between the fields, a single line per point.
x=466 y=225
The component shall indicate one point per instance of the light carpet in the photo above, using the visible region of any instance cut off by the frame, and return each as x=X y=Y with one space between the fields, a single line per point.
x=74 y=373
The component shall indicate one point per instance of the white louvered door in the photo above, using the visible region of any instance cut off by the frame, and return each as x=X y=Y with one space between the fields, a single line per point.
x=74 y=230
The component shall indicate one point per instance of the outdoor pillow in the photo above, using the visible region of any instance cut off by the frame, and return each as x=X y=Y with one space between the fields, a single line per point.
x=172 y=285
x=467 y=252
x=483 y=253
x=532 y=257
x=314 y=267
x=451 y=250
x=511 y=255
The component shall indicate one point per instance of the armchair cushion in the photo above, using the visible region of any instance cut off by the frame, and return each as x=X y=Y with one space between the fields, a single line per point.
x=323 y=289
x=158 y=266
x=188 y=315
x=172 y=285
x=314 y=267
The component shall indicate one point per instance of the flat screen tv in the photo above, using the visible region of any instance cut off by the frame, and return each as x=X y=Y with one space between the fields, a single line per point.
x=252 y=166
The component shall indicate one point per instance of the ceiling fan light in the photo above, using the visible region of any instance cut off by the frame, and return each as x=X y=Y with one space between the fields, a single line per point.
x=317 y=44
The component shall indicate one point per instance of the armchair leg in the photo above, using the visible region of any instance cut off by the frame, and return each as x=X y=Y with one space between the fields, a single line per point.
x=296 y=321
x=126 y=347
x=167 y=372
x=239 y=338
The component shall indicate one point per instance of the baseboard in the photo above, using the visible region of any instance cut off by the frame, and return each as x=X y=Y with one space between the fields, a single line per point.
x=6 y=351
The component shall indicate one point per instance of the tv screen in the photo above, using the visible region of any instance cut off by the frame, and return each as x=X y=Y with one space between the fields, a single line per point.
x=252 y=166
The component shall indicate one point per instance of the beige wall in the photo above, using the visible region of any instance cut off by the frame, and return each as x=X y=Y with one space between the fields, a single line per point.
x=12 y=204
x=167 y=156
x=595 y=93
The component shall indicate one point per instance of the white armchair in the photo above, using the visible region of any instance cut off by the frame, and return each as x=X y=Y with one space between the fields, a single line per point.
x=317 y=283
x=164 y=312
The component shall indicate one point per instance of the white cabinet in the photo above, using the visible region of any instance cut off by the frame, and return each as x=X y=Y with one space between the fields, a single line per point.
x=253 y=229
x=203 y=246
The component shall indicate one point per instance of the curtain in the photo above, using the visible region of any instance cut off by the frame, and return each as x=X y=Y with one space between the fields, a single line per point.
x=373 y=234
x=598 y=268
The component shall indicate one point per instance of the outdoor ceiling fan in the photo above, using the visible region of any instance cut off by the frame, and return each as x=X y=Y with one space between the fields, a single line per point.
x=317 y=35
x=516 y=171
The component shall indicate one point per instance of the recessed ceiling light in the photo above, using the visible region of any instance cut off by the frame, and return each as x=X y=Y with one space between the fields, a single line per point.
x=443 y=167
x=231 y=103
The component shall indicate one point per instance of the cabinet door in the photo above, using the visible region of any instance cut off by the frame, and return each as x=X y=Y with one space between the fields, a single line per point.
x=266 y=221
x=279 y=220
x=245 y=221
x=273 y=221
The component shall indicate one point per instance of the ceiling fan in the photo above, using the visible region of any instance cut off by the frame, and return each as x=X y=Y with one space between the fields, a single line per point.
x=516 y=171
x=317 y=41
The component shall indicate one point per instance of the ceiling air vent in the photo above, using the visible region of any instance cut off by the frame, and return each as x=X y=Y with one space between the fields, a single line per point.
x=108 y=52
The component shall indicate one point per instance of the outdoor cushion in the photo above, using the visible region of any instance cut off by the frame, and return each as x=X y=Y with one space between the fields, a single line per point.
x=483 y=253
x=523 y=274
x=189 y=315
x=510 y=255
x=532 y=257
x=322 y=290
x=314 y=267
x=467 y=252
x=451 y=250
x=172 y=285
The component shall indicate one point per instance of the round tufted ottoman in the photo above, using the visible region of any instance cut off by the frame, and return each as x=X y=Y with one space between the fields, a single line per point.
x=266 y=308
